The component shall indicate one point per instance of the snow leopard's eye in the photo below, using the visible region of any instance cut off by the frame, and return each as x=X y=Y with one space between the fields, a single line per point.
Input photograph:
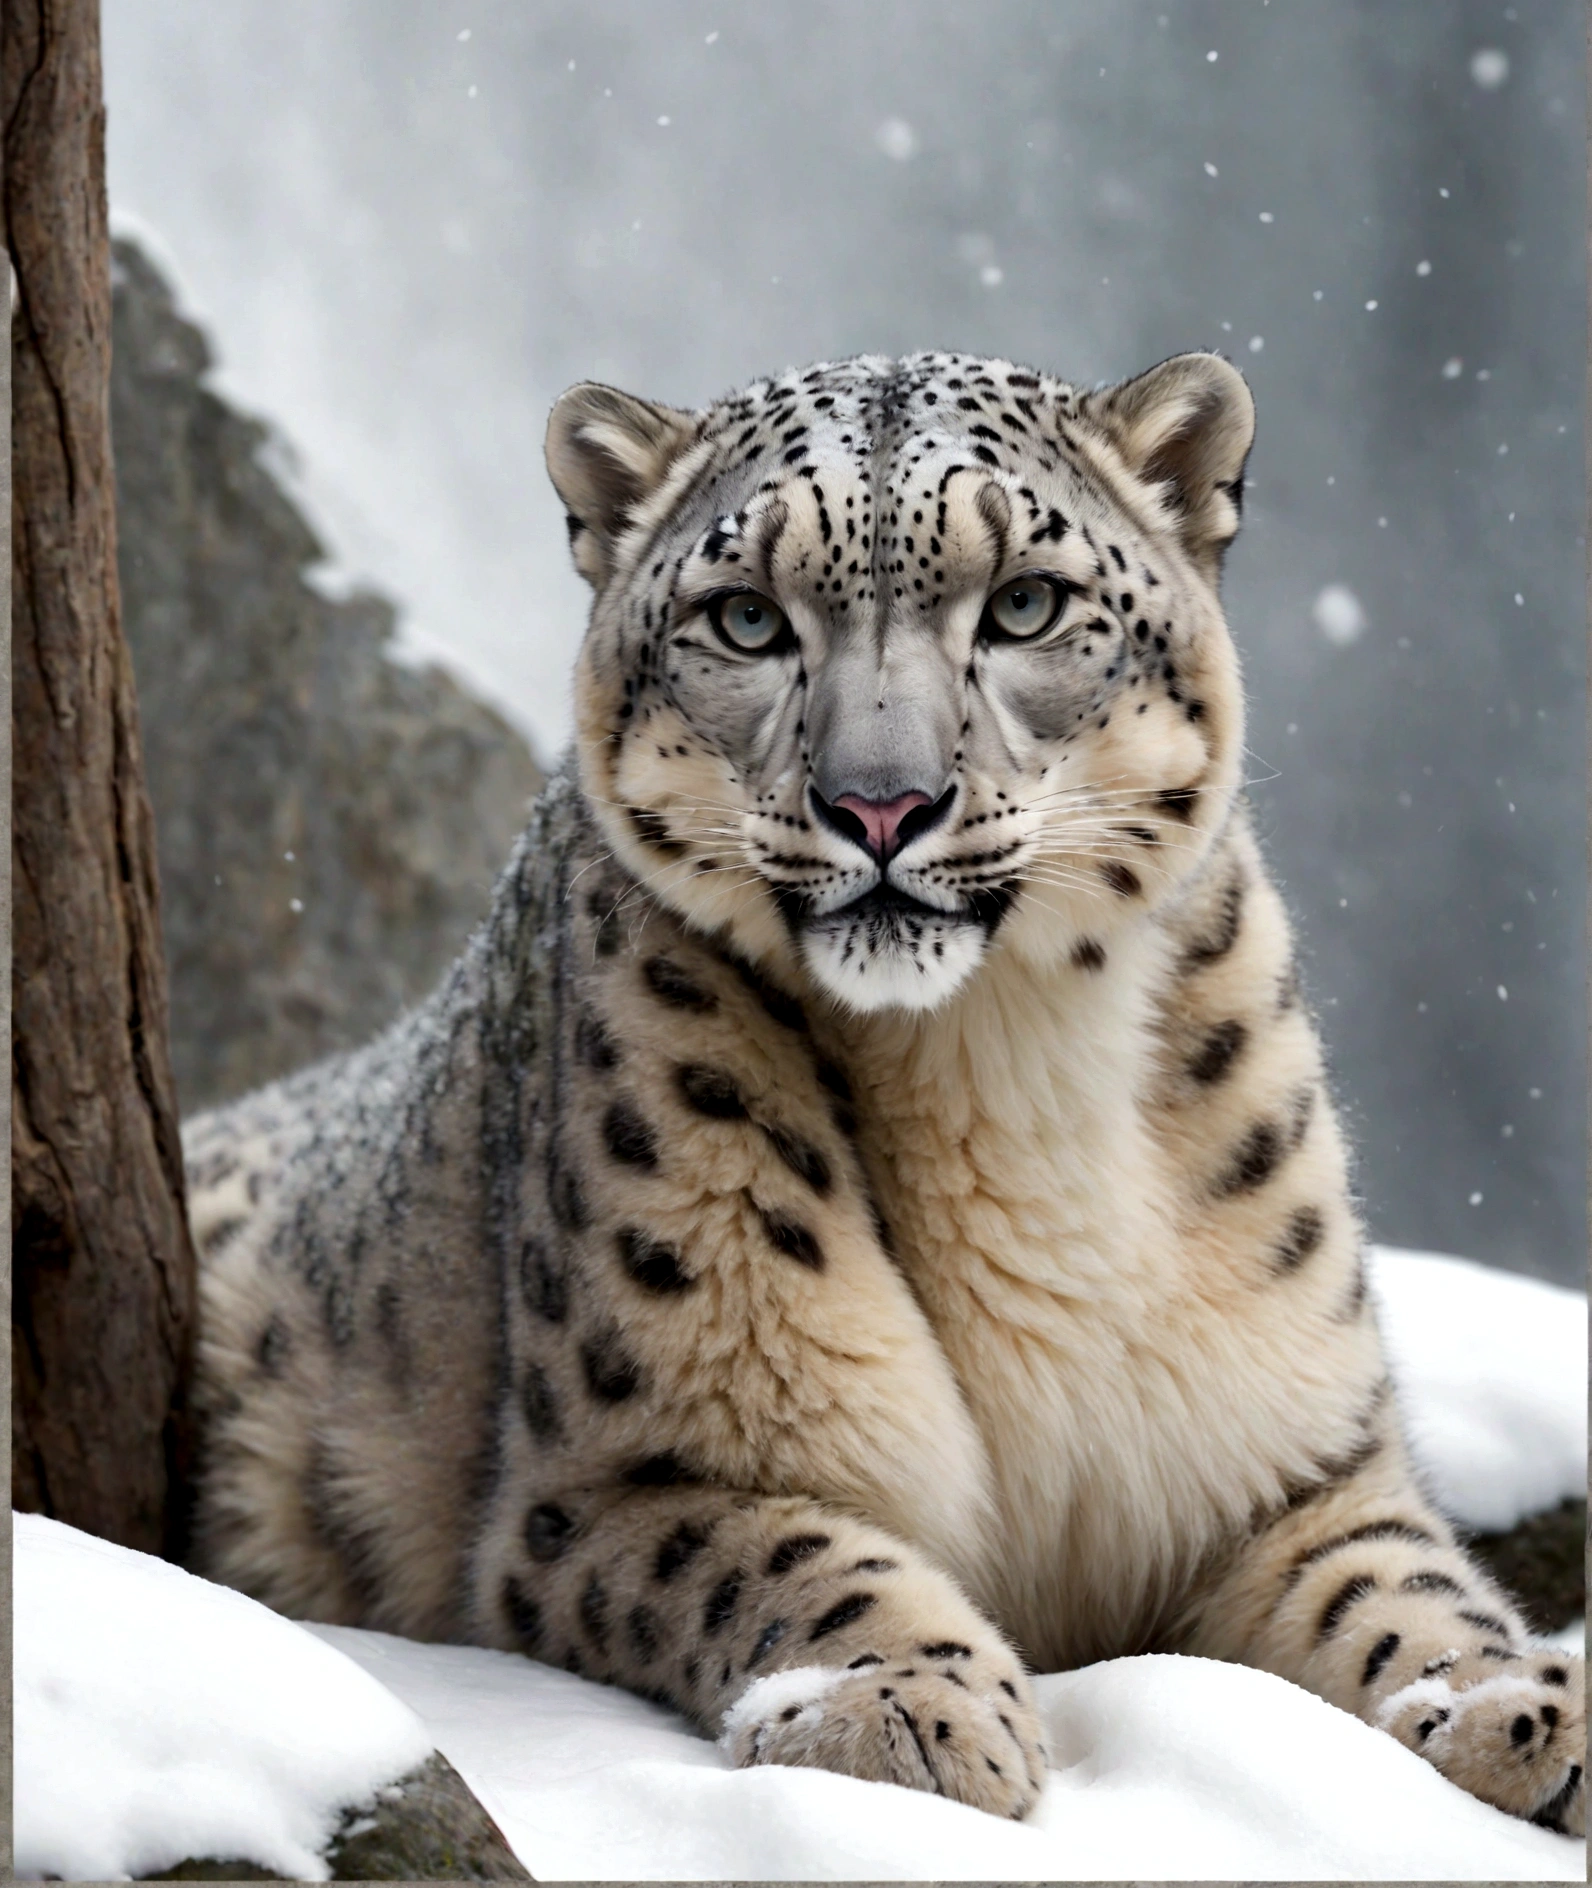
x=1019 y=610
x=749 y=622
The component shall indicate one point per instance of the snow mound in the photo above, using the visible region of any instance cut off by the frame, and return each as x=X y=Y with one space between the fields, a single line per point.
x=1163 y=1769
x=1491 y=1370
x=158 y=1717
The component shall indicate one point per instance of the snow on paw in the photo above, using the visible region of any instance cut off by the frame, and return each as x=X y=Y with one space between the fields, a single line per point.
x=1511 y=1730
x=909 y=1724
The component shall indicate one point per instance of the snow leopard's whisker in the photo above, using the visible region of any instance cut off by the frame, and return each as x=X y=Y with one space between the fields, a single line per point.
x=602 y=858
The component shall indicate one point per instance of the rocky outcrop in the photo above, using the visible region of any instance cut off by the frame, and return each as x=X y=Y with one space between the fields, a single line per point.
x=426 y=1827
x=1542 y=1562
x=329 y=822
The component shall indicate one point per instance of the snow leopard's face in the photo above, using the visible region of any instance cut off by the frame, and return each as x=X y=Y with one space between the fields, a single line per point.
x=893 y=659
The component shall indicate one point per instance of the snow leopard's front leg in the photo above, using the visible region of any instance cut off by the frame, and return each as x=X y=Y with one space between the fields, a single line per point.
x=793 y=1631
x=1358 y=1592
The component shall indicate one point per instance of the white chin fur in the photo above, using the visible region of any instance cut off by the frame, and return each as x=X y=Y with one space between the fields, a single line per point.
x=896 y=971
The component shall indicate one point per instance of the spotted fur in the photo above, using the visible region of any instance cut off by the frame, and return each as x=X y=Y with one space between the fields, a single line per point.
x=810 y=1277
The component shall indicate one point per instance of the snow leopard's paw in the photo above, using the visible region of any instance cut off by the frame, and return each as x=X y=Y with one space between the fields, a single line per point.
x=910 y=1723
x=1510 y=1730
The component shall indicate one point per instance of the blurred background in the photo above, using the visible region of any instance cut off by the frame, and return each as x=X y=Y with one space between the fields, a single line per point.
x=405 y=225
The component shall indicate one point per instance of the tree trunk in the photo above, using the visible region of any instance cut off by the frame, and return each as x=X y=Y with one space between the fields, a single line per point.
x=102 y=1263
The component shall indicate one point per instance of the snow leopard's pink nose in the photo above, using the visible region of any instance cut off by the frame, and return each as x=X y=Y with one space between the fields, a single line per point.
x=881 y=818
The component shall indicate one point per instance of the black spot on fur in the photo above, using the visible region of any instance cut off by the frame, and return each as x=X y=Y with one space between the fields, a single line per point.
x=721 y=1603
x=1180 y=802
x=540 y=1404
x=1225 y=926
x=1303 y=1234
x=523 y=1614
x=1088 y=955
x=834 y=1080
x=672 y=985
x=1378 y=1656
x=795 y=1548
x=566 y=1198
x=544 y=1283
x=642 y=1625
x=1213 y=1060
x=651 y=1263
x=660 y=1471
x=1254 y=1161
x=1520 y=1731
x=594 y=1613
x=628 y=1136
x=784 y=1009
x=843 y=1613
x=593 y=1044
x=1432 y=1583
x=767 y=1639
x=549 y=1529
x=1487 y=1622
x=681 y=1548
x=1554 y=1675
x=611 y=1374
x=863 y=1661
x=273 y=1347
x=713 y=1092
x=1388 y=1530
x=793 y=1239
x=803 y=1159
x=1346 y=1596
x=609 y=934
x=1359 y=1292
x=1122 y=879
x=946 y=1649
x=874 y=1566
x=652 y=830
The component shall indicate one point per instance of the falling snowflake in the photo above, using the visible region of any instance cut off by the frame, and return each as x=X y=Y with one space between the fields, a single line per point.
x=896 y=138
x=1339 y=615
x=1489 y=67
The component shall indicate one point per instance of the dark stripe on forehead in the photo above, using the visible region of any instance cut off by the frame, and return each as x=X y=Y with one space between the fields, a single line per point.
x=769 y=529
x=995 y=508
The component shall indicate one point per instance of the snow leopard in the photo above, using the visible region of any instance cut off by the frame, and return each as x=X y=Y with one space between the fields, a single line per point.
x=864 y=1219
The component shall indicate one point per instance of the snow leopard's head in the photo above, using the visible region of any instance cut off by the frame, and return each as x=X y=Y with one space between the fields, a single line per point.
x=895 y=661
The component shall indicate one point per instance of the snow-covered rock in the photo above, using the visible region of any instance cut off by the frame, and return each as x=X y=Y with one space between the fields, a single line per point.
x=1492 y=1370
x=159 y=1717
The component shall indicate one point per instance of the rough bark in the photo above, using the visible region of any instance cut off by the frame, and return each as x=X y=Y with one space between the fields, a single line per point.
x=103 y=1270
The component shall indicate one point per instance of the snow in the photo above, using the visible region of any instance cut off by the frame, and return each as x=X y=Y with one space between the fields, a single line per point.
x=158 y=1716
x=1162 y=1768
x=1492 y=1369
x=1339 y=614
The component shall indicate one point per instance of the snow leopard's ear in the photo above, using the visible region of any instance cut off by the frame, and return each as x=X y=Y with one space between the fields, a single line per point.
x=1186 y=426
x=607 y=452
